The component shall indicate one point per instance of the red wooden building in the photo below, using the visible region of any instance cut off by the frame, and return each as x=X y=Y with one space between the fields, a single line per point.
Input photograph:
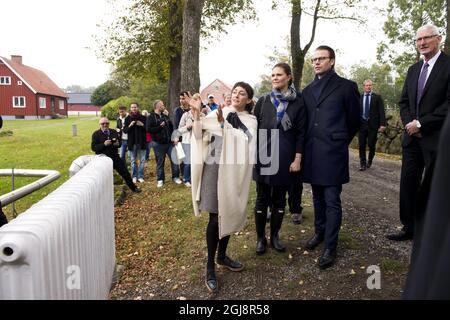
x=218 y=89
x=80 y=104
x=28 y=93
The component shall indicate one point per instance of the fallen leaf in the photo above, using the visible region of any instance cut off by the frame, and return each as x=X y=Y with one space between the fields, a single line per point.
x=305 y=253
x=301 y=282
x=352 y=272
x=181 y=298
x=290 y=256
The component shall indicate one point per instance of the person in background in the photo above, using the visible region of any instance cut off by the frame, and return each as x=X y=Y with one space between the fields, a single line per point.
x=212 y=103
x=161 y=128
x=373 y=120
x=148 y=137
x=185 y=133
x=107 y=142
x=227 y=100
x=123 y=136
x=135 y=128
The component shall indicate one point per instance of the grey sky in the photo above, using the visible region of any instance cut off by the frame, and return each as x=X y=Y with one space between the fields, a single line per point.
x=57 y=37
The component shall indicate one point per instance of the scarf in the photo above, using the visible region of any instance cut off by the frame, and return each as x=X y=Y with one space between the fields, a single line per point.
x=281 y=100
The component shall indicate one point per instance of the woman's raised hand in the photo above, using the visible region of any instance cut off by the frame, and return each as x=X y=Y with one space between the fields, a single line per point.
x=220 y=116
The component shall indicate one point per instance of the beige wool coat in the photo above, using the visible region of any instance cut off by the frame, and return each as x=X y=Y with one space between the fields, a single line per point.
x=235 y=168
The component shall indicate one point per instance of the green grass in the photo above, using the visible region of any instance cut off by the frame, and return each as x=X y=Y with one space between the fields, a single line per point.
x=391 y=265
x=42 y=144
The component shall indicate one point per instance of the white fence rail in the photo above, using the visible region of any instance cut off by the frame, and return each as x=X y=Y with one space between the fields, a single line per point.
x=63 y=247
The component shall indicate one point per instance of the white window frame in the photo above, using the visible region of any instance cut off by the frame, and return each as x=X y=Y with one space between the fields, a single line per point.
x=5 y=83
x=59 y=102
x=19 y=106
x=42 y=105
x=19 y=83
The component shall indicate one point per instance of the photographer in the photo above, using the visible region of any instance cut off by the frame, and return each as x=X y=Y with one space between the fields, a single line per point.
x=137 y=143
x=106 y=141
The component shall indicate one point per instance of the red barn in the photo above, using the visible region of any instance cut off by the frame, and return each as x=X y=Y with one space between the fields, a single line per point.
x=28 y=93
x=80 y=104
x=218 y=89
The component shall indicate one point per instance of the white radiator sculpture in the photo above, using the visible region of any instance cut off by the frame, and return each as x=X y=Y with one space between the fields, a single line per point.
x=63 y=246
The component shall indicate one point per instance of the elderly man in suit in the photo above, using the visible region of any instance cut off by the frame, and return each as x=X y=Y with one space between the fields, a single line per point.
x=423 y=107
x=373 y=120
x=333 y=110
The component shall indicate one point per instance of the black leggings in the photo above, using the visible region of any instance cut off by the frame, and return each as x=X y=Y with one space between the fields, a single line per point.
x=212 y=239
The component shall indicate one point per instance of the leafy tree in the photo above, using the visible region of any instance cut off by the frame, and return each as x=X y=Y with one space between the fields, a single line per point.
x=336 y=10
x=147 y=40
x=404 y=17
x=106 y=92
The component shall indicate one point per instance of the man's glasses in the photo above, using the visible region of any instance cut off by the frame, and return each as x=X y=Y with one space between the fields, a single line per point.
x=319 y=59
x=104 y=123
x=426 y=38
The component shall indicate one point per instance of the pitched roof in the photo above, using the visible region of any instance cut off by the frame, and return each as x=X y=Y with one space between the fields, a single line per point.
x=79 y=98
x=35 y=79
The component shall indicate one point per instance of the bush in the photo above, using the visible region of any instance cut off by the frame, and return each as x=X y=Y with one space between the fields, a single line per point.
x=111 y=109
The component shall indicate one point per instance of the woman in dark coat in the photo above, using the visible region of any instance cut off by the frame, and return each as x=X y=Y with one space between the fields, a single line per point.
x=281 y=128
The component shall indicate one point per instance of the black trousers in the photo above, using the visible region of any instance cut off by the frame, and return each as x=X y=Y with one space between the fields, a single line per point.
x=367 y=136
x=121 y=168
x=295 y=197
x=413 y=165
x=270 y=196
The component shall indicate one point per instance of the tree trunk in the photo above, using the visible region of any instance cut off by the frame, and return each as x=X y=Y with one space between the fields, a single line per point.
x=174 y=88
x=175 y=24
x=447 y=34
x=190 y=54
x=296 y=50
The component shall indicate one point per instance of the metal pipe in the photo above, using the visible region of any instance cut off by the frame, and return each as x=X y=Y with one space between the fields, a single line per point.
x=48 y=177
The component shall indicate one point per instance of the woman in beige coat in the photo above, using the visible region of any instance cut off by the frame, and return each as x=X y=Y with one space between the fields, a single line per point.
x=223 y=151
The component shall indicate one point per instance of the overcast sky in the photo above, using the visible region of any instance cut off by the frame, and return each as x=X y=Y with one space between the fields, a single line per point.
x=57 y=37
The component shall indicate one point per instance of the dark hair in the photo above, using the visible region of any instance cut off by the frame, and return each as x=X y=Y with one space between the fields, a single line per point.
x=121 y=107
x=248 y=88
x=182 y=93
x=330 y=52
x=137 y=104
x=287 y=69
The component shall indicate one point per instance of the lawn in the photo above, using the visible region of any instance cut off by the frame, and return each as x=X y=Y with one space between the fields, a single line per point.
x=42 y=144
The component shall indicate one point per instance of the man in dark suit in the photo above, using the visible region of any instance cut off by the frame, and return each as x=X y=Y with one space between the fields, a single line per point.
x=373 y=120
x=428 y=276
x=106 y=141
x=423 y=107
x=333 y=110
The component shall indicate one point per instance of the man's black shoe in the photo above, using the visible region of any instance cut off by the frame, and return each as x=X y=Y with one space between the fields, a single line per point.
x=230 y=264
x=400 y=236
x=314 y=242
x=327 y=259
x=137 y=190
x=211 y=281
x=369 y=164
x=363 y=167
